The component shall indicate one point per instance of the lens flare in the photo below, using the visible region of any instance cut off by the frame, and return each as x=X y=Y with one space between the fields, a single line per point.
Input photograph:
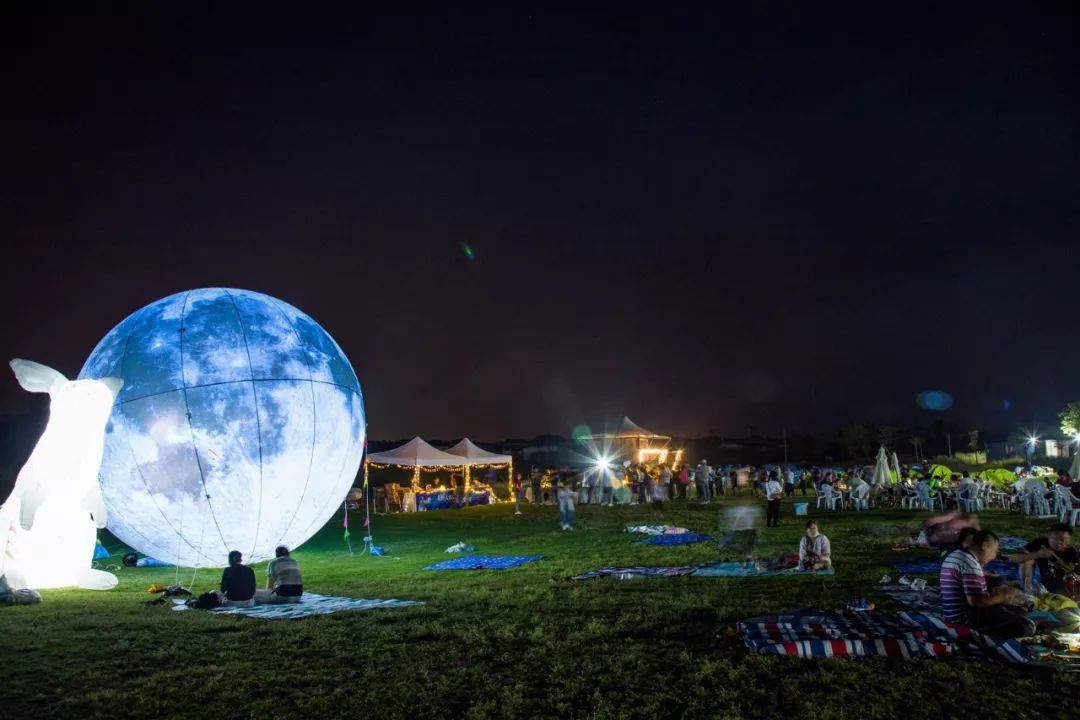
x=937 y=400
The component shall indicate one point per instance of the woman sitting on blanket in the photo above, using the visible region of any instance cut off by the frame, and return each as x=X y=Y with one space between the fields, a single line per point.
x=815 y=552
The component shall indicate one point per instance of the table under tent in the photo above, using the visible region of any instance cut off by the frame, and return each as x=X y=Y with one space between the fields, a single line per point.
x=475 y=456
x=419 y=456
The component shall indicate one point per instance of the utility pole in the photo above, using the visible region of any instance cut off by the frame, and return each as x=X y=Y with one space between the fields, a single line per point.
x=948 y=440
x=785 y=448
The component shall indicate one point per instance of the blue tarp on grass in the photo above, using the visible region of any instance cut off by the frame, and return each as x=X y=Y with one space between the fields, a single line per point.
x=484 y=562
x=684 y=539
x=744 y=569
x=932 y=566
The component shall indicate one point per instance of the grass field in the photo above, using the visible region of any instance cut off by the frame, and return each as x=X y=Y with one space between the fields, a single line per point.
x=519 y=643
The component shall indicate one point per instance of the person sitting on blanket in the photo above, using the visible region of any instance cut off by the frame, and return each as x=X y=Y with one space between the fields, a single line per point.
x=815 y=552
x=237 y=583
x=284 y=583
x=966 y=599
x=1055 y=557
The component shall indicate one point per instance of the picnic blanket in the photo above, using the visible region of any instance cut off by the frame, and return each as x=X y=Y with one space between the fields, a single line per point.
x=636 y=571
x=817 y=634
x=1011 y=543
x=484 y=562
x=669 y=540
x=657 y=529
x=310 y=604
x=932 y=566
x=926 y=600
x=748 y=569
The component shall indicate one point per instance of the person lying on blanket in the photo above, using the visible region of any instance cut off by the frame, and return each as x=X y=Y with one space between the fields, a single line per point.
x=943 y=531
x=1056 y=559
x=284 y=584
x=815 y=552
x=966 y=599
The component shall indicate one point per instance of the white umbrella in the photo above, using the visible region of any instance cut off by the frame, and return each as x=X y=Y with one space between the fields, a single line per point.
x=896 y=466
x=881 y=475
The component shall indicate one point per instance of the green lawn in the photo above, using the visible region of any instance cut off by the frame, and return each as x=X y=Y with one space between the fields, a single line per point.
x=519 y=643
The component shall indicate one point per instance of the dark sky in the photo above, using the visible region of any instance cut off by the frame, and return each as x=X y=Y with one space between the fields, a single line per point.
x=769 y=218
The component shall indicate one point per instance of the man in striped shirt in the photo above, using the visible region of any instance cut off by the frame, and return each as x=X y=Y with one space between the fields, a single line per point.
x=965 y=597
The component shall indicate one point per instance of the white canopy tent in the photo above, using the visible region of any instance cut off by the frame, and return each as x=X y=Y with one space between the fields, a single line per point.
x=416 y=454
x=470 y=454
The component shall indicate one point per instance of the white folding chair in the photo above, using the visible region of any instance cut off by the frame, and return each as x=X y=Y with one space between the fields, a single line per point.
x=967 y=499
x=1066 y=505
x=1035 y=503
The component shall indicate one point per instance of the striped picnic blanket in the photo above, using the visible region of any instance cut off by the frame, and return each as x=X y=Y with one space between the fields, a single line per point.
x=818 y=634
x=636 y=571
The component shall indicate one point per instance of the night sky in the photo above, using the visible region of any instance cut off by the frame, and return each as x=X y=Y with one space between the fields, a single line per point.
x=515 y=221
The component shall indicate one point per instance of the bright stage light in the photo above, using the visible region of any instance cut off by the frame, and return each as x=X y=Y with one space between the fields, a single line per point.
x=48 y=523
x=602 y=463
x=240 y=426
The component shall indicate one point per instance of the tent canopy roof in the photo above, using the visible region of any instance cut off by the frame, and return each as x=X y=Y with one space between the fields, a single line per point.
x=468 y=452
x=416 y=453
x=627 y=430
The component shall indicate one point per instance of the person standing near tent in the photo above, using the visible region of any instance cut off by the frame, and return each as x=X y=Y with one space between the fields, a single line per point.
x=566 y=489
x=284 y=584
x=703 y=477
x=684 y=482
x=644 y=486
x=534 y=480
x=517 y=493
x=607 y=486
x=665 y=482
x=546 y=494
x=773 y=492
x=789 y=481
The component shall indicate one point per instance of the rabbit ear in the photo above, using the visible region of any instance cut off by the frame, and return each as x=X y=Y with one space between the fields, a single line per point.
x=36 y=377
x=114 y=384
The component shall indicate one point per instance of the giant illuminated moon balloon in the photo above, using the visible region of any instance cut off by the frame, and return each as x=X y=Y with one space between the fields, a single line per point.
x=240 y=426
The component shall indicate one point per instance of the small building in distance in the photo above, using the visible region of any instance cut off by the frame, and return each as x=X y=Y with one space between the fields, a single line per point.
x=634 y=443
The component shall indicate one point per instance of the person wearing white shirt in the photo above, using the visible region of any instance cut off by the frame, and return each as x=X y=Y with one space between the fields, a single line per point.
x=773 y=492
x=789 y=481
x=815 y=552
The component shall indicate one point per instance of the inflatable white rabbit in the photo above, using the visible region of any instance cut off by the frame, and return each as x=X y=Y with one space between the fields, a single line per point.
x=48 y=522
